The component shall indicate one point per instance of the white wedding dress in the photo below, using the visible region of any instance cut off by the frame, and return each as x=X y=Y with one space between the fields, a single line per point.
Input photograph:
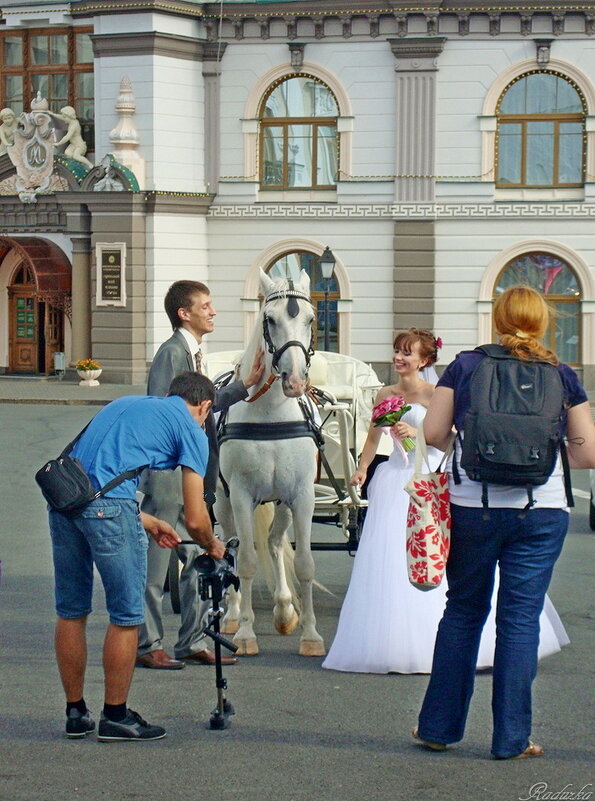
x=387 y=625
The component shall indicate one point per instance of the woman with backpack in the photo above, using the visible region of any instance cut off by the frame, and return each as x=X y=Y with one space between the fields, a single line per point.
x=520 y=528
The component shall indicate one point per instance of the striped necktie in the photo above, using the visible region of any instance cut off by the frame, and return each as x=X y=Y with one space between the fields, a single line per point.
x=198 y=361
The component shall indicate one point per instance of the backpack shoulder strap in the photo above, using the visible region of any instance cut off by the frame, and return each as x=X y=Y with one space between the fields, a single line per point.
x=497 y=351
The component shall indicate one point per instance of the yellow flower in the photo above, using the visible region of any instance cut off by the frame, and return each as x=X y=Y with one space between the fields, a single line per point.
x=88 y=364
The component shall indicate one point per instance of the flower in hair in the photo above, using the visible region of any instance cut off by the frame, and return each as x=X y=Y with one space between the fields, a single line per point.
x=438 y=342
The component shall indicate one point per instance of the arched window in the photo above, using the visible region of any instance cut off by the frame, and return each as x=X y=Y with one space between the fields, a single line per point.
x=289 y=266
x=555 y=280
x=298 y=135
x=541 y=128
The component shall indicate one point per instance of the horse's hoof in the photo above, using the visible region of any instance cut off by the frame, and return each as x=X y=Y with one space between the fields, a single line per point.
x=289 y=626
x=312 y=648
x=230 y=626
x=246 y=647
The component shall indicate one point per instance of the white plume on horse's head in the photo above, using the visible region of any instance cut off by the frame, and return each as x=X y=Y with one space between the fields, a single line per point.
x=269 y=285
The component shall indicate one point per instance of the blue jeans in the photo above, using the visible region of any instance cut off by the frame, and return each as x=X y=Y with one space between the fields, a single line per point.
x=109 y=535
x=526 y=548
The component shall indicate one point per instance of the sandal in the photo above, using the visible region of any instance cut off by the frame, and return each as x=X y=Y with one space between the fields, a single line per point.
x=532 y=750
x=431 y=746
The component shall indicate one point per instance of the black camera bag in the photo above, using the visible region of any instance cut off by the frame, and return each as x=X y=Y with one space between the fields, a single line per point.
x=66 y=486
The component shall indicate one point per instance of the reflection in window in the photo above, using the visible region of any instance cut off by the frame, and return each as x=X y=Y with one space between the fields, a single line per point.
x=290 y=266
x=56 y=63
x=541 y=121
x=553 y=278
x=298 y=144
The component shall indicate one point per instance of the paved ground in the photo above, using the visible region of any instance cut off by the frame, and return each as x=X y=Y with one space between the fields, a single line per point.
x=300 y=733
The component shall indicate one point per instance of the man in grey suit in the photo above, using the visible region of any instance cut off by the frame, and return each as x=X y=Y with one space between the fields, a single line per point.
x=190 y=310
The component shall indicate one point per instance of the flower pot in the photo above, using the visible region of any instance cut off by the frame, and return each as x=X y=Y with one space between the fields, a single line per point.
x=89 y=378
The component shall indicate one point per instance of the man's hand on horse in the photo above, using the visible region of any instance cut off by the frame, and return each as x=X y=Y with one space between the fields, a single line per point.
x=256 y=370
x=164 y=535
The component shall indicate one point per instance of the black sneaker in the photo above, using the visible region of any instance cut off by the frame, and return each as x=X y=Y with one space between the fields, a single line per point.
x=133 y=727
x=79 y=724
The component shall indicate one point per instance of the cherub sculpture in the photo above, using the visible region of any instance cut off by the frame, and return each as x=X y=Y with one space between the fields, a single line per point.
x=77 y=147
x=7 y=129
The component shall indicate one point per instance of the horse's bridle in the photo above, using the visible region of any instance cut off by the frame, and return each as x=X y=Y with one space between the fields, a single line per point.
x=292 y=309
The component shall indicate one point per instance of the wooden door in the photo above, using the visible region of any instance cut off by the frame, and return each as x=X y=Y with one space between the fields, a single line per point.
x=53 y=335
x=23 y=330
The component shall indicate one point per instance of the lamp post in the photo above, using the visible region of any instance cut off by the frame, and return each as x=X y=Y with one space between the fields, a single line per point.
x=327 y=265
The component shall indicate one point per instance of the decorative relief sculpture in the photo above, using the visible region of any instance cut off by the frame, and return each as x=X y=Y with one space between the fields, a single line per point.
x=110 y=181
x=32 y=151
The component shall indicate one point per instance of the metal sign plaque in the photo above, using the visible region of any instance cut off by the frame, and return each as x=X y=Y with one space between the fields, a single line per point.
x=111 y=263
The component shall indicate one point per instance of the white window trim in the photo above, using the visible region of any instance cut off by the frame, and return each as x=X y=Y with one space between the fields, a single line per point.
x=250 y=121
x=580 y=268
x=488 y=118
x=268 y=256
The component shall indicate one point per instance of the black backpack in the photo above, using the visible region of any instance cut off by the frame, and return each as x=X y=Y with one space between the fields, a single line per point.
x=512 y=427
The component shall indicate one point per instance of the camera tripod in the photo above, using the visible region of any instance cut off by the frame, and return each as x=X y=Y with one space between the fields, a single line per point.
x=214 y=578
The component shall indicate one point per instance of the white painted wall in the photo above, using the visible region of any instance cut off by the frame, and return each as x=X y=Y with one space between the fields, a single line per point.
x=169 y=96
x=176 y=251
x=366 y=70
x=464 y=250
x=364 y=247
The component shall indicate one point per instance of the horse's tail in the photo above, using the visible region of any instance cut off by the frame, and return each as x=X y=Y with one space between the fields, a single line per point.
x=263 y=518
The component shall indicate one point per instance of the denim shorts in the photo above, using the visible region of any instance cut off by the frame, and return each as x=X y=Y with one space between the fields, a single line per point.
x=109 y=535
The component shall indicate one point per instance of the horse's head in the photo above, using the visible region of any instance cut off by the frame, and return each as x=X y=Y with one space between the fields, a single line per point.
x=287 y=329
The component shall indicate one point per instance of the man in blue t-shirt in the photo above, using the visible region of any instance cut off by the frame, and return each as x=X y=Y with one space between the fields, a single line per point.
x=131 y=432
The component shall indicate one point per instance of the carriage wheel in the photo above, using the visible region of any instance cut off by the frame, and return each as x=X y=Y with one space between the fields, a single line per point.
x=173 y=581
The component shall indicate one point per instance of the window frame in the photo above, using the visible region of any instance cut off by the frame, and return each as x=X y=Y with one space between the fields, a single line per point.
x=555 y=301
x=523 y=120
x=285 y=123
x=27 y=69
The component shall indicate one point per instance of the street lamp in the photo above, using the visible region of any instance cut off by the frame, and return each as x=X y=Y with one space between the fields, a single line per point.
x=327 y=265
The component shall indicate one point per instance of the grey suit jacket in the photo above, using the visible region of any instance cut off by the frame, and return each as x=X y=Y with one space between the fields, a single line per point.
x=173 y=358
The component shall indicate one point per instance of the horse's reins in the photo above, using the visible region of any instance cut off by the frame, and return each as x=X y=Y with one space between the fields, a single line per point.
x=293 y=309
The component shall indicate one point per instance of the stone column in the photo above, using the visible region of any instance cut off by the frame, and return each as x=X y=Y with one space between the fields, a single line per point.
x=211 y=71
x=415 y=93
x=78 y=228
x=414 y=245
x=81 y=300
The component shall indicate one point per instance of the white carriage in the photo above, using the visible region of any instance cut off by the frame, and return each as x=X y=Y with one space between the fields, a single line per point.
x=349 y=387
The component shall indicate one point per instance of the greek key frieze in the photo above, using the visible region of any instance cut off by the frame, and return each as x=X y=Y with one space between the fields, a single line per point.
x=405 y=211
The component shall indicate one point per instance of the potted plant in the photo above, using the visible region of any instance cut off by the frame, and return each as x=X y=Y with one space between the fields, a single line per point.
x=89 y=371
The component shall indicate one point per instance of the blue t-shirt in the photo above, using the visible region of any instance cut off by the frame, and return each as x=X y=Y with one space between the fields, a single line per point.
x=551 y=495
x=457 y=377
x=141 y=431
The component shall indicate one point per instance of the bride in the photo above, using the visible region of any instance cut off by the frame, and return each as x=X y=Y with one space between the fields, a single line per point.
x=387 y=625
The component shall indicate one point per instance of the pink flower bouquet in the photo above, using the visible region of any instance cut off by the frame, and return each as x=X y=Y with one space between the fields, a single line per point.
x=388 y=412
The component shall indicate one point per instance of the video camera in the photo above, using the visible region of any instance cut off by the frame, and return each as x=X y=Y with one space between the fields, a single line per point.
x=215 y=576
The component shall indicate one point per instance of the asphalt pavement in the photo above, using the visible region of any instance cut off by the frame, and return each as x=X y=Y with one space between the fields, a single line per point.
x=299 y=733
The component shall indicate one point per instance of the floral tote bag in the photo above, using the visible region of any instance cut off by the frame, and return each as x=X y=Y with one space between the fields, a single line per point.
x=428 y=519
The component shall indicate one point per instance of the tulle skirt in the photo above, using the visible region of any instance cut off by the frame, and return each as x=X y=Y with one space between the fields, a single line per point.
x=387 y=625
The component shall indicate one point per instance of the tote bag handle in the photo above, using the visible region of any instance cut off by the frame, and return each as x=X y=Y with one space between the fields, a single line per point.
x=421 y=452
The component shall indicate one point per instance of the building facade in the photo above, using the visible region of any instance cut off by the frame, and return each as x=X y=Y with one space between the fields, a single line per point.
x=441 y=150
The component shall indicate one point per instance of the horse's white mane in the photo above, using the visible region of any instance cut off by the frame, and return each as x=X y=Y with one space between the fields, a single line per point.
x=268 y=287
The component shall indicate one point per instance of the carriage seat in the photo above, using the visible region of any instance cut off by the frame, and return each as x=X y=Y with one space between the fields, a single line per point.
x=336 y=377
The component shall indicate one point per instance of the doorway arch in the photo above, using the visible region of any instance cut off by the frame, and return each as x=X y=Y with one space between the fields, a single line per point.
x=37 y=299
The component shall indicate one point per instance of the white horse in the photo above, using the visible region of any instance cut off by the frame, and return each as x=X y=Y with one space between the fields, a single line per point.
x=267 y=454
